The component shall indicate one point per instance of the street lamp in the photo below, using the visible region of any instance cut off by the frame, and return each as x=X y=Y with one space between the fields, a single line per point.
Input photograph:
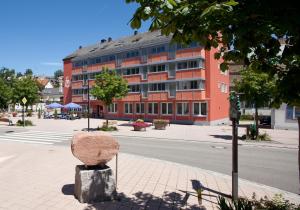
x=88 y=92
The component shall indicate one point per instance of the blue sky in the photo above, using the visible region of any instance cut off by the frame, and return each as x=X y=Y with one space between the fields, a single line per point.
x=38 y=34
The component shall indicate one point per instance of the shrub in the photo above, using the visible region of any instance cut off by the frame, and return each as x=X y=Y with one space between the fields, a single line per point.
x=27 y=123
x=140 y=124
x=253 y=131
x=39 y=113
x=276 y=203
x=264 y=137
x=29 y=113
x=139 y=121
x=161 y=121
x=246 y=117
x=107 y=128
x=55 y=114
x=14 y=114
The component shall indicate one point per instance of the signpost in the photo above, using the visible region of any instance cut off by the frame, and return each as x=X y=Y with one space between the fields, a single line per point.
x=24 y=100
x=234 y=117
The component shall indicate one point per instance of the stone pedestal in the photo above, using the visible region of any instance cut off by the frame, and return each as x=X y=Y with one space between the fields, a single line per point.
x=94 y=184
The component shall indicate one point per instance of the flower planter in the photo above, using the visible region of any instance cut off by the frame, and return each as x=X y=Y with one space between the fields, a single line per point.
x=160 y=124
x=14 y=114
x=139 y=128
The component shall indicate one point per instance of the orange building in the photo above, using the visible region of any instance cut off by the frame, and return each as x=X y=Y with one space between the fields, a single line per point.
x=166 y=80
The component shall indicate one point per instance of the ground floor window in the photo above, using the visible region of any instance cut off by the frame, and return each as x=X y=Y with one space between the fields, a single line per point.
x=152 y=108
x=182 y=108
x=166 y=108
x=113 y=108
x=200 y=108
x=292 y=112
x=128 y=108
x=140 y=108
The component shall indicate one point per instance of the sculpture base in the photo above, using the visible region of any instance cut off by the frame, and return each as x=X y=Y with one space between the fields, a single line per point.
x=94 y=184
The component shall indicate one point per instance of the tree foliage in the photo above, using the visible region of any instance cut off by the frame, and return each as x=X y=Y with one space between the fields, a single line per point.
x=5 y=94
x=248 y=31
x=25 y=87
x=58 y=73
x=108 y=86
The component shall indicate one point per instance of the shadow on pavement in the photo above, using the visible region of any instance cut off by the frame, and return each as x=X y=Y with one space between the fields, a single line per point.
x=140 y=200
x=225 y=137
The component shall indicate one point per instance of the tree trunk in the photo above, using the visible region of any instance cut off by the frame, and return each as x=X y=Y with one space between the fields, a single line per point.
x=106 y=122
x=256 y=121
x=299 y=152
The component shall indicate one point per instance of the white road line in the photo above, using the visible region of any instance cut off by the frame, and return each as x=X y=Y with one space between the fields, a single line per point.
x=34 y=136
x=28 y=139
x=23 y=141
x=34 y=131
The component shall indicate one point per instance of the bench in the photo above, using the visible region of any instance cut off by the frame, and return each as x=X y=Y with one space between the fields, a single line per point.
x=6 y=120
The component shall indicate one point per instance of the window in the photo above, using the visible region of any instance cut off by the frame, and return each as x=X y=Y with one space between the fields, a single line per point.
x=166 y=108
x=157 y=50
x=223 y=88
x=128 y=108
x=200 y=108
x=188 y=65
x=113 y=108
x=134 y=88
x=132 y=54
x=131 y=71
x=158 y=68
x=152 y=108
x=292 y=112
x=183 y=108
x=191 y=85
x=140 y=108
x=157 y=87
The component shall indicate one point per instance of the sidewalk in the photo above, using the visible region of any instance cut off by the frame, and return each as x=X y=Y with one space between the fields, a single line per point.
x=215 y=134
x=40 y=177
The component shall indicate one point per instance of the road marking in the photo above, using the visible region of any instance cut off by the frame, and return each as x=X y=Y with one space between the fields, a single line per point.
x=36 y=137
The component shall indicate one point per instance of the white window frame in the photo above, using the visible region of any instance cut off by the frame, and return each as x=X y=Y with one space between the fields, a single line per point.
x=113 y=108
x=182 y=112
x=128 y=108
x=152 y=109
x=167 y=108
x=200 y=109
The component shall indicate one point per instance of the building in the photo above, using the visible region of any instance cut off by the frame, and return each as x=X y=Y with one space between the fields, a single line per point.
x=166 y=80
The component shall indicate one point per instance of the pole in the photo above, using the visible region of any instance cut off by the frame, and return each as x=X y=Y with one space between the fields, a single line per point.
x=23 y=116
x=88 y=104
x=234 y=160
x=116 y=171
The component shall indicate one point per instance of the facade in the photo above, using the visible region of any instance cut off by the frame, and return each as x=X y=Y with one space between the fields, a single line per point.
x=181 y=83
x=285 y=117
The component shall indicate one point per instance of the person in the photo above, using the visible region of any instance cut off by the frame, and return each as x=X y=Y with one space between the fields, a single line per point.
x=10 y=121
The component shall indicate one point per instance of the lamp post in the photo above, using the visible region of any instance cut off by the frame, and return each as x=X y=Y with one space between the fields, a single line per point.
x=88 y=92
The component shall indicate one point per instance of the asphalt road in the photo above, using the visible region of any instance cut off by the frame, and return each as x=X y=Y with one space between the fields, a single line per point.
x=270 y=166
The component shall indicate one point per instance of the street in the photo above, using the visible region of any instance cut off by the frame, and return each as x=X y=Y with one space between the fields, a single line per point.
x=270 y=166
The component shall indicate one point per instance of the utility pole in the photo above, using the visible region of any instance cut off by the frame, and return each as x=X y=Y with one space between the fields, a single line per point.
x=88 y=92
x=234 y=117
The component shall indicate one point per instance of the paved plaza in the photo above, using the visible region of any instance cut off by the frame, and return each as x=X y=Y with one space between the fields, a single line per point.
x=42 y=177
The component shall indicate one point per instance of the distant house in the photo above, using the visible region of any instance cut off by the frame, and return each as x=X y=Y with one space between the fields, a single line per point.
x=285 y=117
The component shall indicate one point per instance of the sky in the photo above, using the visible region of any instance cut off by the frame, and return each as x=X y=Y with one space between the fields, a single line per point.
x=38 y=34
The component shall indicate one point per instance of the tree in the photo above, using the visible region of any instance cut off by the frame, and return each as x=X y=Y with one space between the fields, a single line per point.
x=256 y=88
x=5 y=95
x=19 y=74
x=25 y=87
x=108 y=86
x=57 y=74
x=28 y=73
x=265 y=34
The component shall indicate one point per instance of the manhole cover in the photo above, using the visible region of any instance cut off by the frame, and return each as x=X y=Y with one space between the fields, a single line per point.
x=218 y=147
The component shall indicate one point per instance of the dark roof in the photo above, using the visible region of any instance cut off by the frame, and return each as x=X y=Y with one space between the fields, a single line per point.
x=119 y=45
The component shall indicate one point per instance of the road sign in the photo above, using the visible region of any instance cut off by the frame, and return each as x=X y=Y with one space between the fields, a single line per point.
x=24 y=100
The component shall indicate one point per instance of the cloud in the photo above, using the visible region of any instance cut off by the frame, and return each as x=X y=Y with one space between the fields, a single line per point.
x=52 y=64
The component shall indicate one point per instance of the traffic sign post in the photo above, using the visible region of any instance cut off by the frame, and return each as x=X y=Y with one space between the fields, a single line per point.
x=24 y=101
x=234 y=117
